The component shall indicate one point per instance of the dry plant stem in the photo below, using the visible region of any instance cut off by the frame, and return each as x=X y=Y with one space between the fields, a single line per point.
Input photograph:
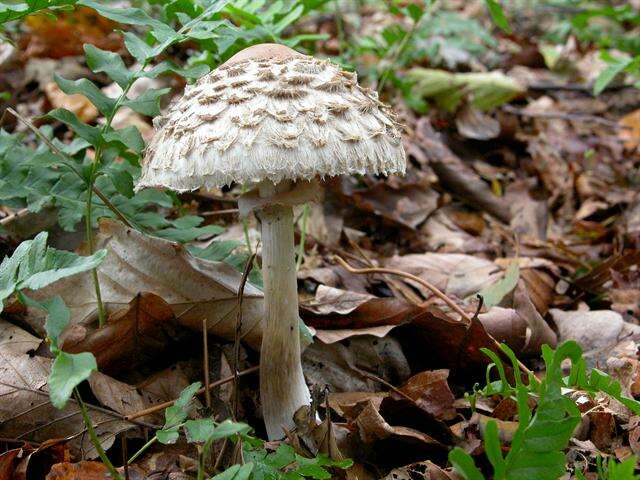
x=161 y=406
x=94 y=438
x=282 y=386
x=236 y=344
x=453 y=305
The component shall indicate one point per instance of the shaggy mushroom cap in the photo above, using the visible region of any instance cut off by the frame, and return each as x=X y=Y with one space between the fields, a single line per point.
x=271 y=113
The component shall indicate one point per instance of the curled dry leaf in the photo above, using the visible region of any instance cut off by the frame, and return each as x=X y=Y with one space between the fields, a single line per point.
x=194 y=288
x=454 y=175
x=400 y=444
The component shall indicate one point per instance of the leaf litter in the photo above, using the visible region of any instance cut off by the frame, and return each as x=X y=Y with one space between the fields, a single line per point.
x=520 y=204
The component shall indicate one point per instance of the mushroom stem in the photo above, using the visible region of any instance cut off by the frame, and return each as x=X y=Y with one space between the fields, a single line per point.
x=283 y=389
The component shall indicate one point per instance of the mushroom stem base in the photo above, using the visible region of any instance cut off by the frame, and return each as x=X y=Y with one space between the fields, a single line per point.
x=283 y=389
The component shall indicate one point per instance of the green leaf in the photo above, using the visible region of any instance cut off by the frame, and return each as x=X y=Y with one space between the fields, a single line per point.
x=199 y=431
x=492 y=448
x=493 y=294
x=148 y=103
x=58 y=317
x=236 y=472
x=605 y=77
x=498 y=16
x=67 y=372
x=217 y=251
x=138 y=48
x=193 y=72
x=183 y=235
x=229 y=428
x=122 y=181
x=168 y=436
x=464 y=464
x=108 y=62
x=34 y=265
x=87 y=132
x=87 y=88
x=177 y=413
x=128 y=138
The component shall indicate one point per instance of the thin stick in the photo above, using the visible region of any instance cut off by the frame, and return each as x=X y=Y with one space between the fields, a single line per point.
x=435 y=290
x=14 y=216
x=236 y=343
x=205 y=362
x=219 y=212
x=162 y=406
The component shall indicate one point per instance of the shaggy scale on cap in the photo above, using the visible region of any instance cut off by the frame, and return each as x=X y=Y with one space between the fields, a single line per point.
x=270 y=113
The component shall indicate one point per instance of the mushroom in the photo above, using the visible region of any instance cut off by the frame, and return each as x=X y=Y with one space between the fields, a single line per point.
x=279 y=120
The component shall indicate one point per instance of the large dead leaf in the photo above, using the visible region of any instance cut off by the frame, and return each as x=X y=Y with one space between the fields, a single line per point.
x=65 y=34
x=194 y=288
x=132 y=335
x=453 y=273
x=26 y=413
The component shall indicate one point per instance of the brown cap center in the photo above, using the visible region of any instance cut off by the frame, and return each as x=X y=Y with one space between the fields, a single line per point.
x=263 y=51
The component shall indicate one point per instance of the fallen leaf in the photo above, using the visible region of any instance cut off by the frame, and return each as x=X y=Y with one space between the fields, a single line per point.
x=430 y=391
x=78 y=471
x=138 y=263
x=66 y=34
x=76 y=103
x=452 y=273
x=472 y=123
x=131 y=336
x=630 y=130
x=422 y=470
x=26 y=412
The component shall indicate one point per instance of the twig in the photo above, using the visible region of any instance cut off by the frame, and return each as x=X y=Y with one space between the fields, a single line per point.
x=162 y=406
x=219 y=212
x=435 y=290
x=236 y=342
x=14 y=216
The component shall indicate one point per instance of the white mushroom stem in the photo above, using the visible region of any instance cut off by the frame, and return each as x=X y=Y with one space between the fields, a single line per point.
x=283 y=389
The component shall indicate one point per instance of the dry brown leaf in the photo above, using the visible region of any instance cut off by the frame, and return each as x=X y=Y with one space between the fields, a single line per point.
x=453 y=273
x=193 y=287
x=475 y=124
x=422 y=470
x=26 y=413
x=76 y=103
x=78 y=471
x=430 y=391
x=66 y=34
x=132 y=335
x=630 y=131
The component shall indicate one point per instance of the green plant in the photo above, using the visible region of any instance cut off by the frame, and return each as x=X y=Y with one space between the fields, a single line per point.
x=605 y=26
x=536 y=450
x=32 y=266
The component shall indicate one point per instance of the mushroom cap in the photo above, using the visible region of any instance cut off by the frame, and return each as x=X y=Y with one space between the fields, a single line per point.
x=271 y=113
